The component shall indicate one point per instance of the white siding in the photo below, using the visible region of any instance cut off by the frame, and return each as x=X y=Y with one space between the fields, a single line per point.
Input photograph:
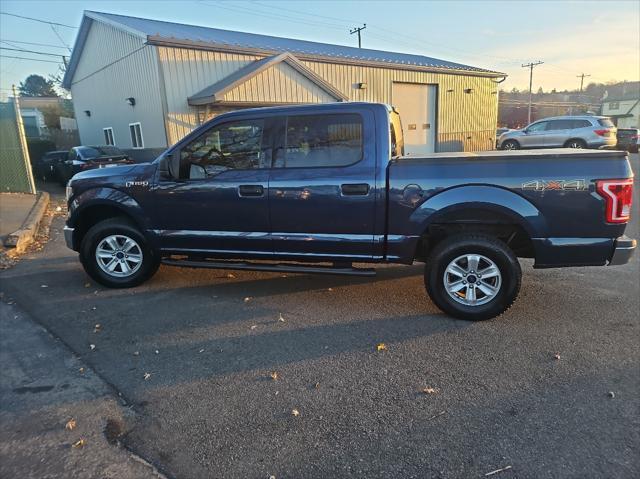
x=465 y=121
x=116 y=65
x=631 y=107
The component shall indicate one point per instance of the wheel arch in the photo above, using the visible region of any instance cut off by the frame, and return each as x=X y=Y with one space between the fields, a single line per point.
x=481 y=209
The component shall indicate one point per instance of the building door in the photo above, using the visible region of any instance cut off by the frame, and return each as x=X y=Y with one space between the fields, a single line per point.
x=416 y=104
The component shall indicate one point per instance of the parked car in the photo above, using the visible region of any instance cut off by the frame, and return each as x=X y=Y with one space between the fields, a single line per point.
x=628 y=139
x=322 y=186
x=499 y=132
x=45 y=166
x=82 y=158
x=562 y=132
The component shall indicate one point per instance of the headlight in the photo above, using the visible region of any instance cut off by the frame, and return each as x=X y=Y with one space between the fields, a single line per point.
x=68 y=193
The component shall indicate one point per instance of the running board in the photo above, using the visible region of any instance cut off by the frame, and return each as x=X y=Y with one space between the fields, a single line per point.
x=279 y=267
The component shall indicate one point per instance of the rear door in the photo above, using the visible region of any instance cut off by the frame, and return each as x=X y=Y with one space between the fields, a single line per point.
x=557 y=132
x=322 y=186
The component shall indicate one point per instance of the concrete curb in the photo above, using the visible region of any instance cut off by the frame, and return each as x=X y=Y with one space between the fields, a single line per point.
x=23 y=237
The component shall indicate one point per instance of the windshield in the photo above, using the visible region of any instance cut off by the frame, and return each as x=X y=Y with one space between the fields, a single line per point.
x=93 y=151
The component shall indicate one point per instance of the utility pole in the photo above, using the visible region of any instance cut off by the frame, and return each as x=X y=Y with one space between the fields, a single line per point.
x=530 y=66
x=582 y=80
x=358 y=30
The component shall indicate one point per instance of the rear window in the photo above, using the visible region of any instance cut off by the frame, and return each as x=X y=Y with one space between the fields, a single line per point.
x=323 y=140
x=100 y=151
x=606 y=123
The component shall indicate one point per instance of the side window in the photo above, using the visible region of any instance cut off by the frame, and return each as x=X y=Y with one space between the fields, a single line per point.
x=323 y=140
x=238 y=145
x=555 y=125
x=581 y=124
x=537 y=127
x=135 y=130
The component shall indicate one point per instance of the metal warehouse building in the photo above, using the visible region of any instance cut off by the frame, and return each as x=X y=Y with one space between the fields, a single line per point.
x=143 y=84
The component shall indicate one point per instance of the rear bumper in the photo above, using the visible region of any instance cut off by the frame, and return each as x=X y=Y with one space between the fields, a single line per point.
x=624 y=248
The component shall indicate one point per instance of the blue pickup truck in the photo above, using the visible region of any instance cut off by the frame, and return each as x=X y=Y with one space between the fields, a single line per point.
x=314 y=189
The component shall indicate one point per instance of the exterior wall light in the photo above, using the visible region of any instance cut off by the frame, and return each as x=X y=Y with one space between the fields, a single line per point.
x=87 y=112
x=468 y=90
x=361 y=86
x=131 y=101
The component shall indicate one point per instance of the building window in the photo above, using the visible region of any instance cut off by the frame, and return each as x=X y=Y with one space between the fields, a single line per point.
x=135 y=130
x=322 y=141
x=108 y=136
x=614 y=105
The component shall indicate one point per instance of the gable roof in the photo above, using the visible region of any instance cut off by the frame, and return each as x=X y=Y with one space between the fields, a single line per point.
x=217 y=91
x=191 y=36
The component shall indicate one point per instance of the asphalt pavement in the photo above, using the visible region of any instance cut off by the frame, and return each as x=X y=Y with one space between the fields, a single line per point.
x=247 y=375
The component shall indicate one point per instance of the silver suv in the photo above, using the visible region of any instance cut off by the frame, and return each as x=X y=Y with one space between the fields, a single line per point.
x=562 y=131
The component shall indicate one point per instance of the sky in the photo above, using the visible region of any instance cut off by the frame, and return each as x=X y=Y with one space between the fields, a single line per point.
x=599 y=38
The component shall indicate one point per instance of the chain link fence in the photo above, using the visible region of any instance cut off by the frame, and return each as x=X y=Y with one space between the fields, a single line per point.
x=15 y=166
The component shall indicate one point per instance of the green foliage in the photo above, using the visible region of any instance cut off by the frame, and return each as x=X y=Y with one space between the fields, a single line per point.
x=38 y=147
x=36 y=85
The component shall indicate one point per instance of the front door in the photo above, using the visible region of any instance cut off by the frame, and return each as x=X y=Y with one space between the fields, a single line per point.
x=535 y=136
x=416 y=104
x=218 y=205
x=322 y=189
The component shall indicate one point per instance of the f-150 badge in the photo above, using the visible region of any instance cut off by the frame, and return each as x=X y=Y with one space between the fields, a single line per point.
x=129 y=184
x=564 y=185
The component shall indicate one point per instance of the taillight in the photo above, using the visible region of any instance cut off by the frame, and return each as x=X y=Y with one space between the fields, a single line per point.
x=618 y=195
x=602 y=132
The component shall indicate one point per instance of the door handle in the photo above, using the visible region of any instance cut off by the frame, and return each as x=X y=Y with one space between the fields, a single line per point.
x=355 y=189
x=250 y=190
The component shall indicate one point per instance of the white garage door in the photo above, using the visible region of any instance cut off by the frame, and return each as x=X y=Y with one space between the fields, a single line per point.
x=416 y=104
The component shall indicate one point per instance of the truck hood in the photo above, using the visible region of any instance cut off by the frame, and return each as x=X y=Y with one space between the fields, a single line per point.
x=114 y=173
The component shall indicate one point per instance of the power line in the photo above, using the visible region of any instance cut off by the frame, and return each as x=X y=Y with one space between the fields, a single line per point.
x=531 y=66
x=31 y=51
x=32 y=43
x=358 y=30
x=37 y=20
x=55 y=31
x=32 y=59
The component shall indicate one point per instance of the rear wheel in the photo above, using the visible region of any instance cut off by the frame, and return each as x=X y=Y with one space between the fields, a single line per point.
x=511 y=145
x=114 y=253
x=473 y=277
x=575 y=143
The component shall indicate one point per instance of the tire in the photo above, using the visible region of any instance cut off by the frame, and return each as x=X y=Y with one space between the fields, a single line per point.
x=575 y=143
x=120 y=238
x=463 y=303
x=510 y=145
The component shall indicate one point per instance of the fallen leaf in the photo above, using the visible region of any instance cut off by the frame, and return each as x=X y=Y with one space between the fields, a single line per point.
x=253 y=326
x=274 y=375
x=381 y=347
x=87 y=285
x=272 y=477
x=98 y=326
x=329 y=289
x=430 y=390
x=280 y=318
x=611 y=394
x=247 y=299
x=231 y=275
x=201 y=351
x=147 y=376
x=136 y=353
x=556 y=356
x=157 y=352
x=44 y=286
x=81 y=370
x=93 y=308
x=71 y=424
x=78 y=444
x=58 y=208
x=92 y=347
x=295 y=412
x=316 y=385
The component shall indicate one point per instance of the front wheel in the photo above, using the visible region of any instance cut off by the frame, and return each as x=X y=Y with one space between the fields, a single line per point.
x=473 y=277
x=511 y=145
x=115 y=254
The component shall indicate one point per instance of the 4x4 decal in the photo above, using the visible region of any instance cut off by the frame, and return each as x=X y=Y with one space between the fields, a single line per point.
x=565 y=185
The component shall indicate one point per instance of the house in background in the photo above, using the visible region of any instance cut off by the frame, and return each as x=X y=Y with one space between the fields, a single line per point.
x=33 y=121
x=624 y=110
x=144 y=84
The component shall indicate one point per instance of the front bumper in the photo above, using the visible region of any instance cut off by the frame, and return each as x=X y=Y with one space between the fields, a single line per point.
x=624 y=248
x=68 y=237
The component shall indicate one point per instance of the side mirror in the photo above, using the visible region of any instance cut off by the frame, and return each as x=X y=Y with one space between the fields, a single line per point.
x=173 y=163
x=197 y=172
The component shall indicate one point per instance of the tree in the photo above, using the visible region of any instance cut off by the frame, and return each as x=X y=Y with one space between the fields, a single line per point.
x=36 y=85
